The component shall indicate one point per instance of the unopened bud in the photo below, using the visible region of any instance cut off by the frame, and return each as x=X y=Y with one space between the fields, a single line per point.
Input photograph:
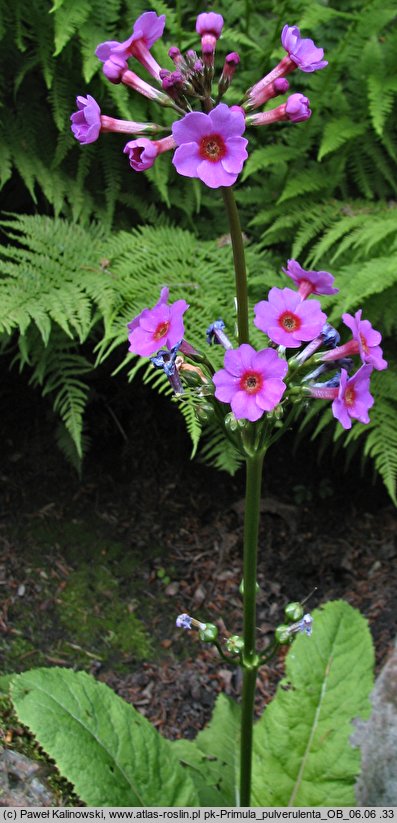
x=235 y=644
x=209 y=634
x=283 y=635
x=293 y=612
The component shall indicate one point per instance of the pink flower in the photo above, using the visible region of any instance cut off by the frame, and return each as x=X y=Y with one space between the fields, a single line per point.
x=251 y=381
x=302 y=51
x=210 y=146
x=209 y=23
x=368 y=340
x=302 y=54
x=310 y=282
x=147 y=29
x=365 y=343
x=86 y=122
x=160 y=326
x=296 y=109
x=143 y=152
x=287 y=319
x=353 y=399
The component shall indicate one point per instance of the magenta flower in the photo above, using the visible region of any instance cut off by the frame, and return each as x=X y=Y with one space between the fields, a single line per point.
x=302 y=51
x=296 y=109
x=209 y=23
x=287 y=319
x=143 y=152
x=251 y=381
x=157 y=327
x=368 y=340
x=147 y=29
x=365 y=343
x=210 y=146
x=353 y=399
x=310 y=282
x=86 y=122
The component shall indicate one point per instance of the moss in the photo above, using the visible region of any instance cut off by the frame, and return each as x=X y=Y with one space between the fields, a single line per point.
x=77 y=539
x=96 y=617
x=19 y=653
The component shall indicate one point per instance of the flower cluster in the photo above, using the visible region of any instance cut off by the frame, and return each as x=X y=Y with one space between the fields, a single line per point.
x=208 y=144
x=254 y=383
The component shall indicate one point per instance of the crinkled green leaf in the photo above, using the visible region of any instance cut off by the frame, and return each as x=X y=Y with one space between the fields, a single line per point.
x=212 y=759
x=110 y=752
x=302 y=750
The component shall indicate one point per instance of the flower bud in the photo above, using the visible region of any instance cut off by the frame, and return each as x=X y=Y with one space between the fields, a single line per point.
x=209 y=634
x=283 y=635
x=235 y=644
x=293 y=612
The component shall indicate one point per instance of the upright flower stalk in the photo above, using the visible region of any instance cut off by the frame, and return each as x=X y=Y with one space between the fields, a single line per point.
x=254 y=466
x=253 y=398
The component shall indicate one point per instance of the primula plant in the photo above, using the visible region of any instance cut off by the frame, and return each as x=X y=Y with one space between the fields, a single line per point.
x=294 y=356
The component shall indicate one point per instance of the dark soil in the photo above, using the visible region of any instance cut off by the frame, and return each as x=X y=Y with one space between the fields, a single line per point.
x=158 y=535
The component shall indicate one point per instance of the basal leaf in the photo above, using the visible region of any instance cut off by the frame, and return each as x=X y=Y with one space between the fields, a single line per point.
x=212 y=759
x=110 y=752
x=302 y=750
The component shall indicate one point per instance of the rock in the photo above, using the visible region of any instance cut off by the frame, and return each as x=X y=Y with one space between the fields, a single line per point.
x=377 y=739
x=22 y=781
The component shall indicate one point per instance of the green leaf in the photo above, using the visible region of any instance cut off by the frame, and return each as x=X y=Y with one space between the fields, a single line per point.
x=110 y=752
x=302 y=753
x=212 y=759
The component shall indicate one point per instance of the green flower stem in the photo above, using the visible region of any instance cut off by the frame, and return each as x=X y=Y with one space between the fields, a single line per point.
x=250 y=658
x=239 y=264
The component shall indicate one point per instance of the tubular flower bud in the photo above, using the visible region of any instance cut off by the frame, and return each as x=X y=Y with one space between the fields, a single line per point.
x=166 y=360
x=293 y=612
x=296 y=109
x=260 y=94
x=231 y=62
x=129 y=78
x=209 y=634
x=215 y=334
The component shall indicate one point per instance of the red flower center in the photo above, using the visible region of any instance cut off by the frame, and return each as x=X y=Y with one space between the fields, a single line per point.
x=161 y=331
x=251 y=382
x=289 y=321
x=350 y=396
x=212 y=148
